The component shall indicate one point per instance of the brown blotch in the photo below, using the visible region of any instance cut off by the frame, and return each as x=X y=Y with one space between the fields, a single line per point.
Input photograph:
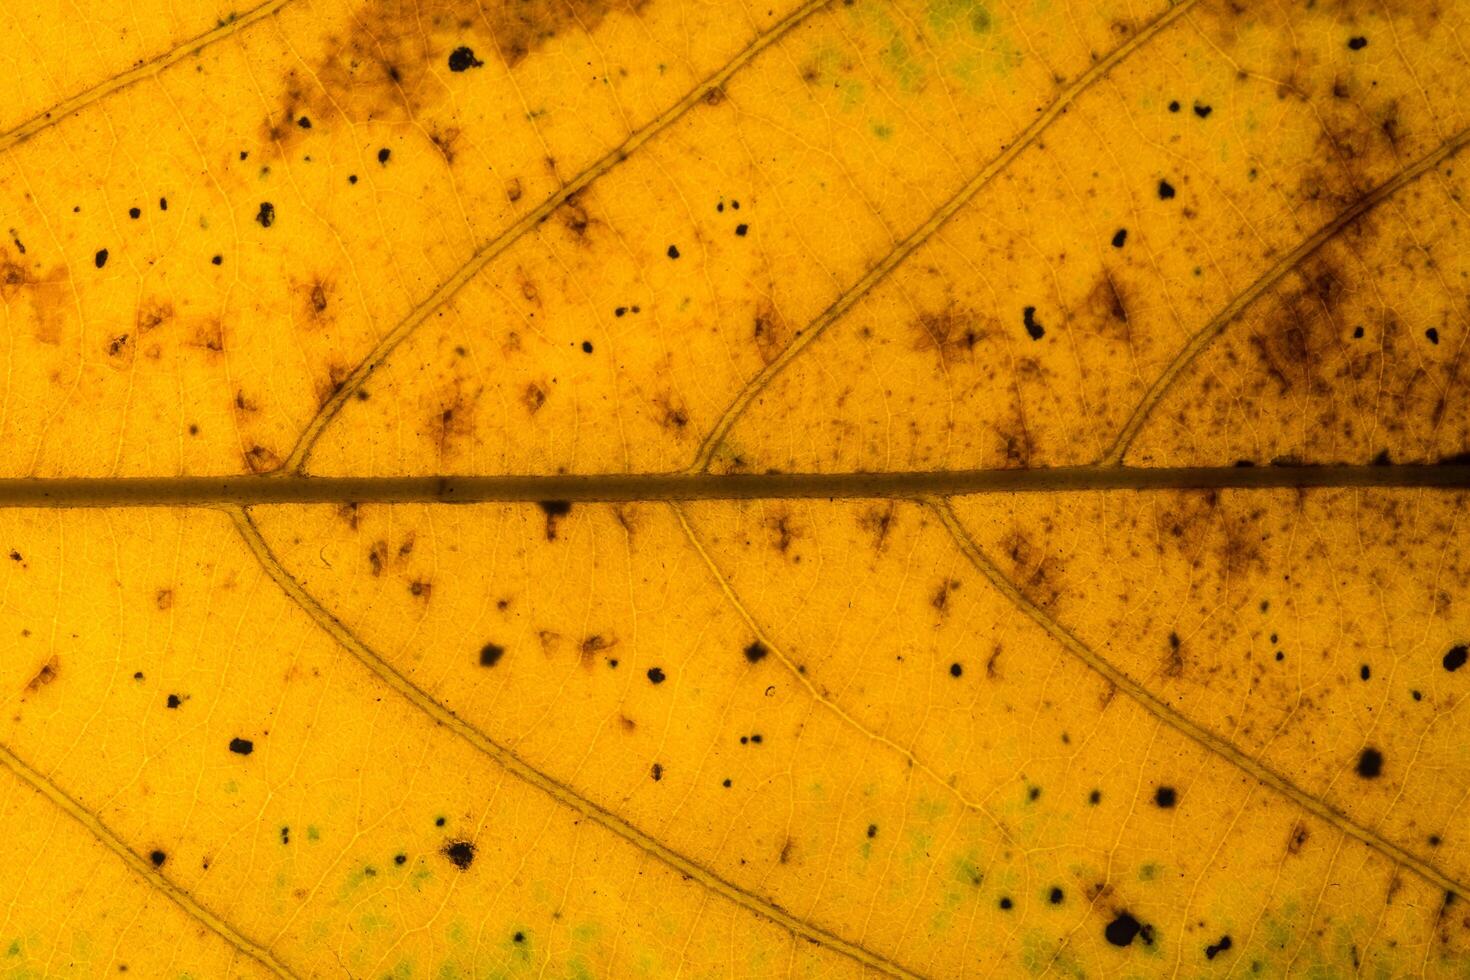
x=1037 y=574
x=164 y=599
x=940 y=599
x=151 y=314
x=40 y=300
x=783 y=532
x=454 y=420
x=261 y=460
x=878 y=521
x=445 y=141
x=770 y=331
x=950 y=331
x=573 y=216
x=1223 y=539
x=673 y=414
x=1298 y=838
x=1108 y=308
x=554 y=510
x=45 y=675
x=786 y=850
x=378 y=557
x=386 y=60
x=533 y=397
x=337 y=375
x=591 y=647
x=317 y=296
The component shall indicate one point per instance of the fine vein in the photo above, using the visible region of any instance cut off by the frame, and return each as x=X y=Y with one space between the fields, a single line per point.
x=136 y=863
x=147 y=69
x=301 y=452
x=523 y=770
x=894 y=258
x=1180 y=723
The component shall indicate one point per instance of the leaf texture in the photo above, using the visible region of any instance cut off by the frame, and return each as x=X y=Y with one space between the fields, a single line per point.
x=949 y=488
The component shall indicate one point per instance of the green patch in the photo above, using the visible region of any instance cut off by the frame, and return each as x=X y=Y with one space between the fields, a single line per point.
x=883 y=131
x=948 y=16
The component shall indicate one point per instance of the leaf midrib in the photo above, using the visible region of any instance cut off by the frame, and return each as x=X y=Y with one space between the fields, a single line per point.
x=288 y=488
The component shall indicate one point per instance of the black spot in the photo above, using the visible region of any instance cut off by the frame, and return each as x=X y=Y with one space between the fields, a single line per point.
x=620 y=310
x=955 y=670
x=242 y=746
x=726 y=784
x=657 y=772
x=1166 y=190
x=1119 y=237
x=463 y=59
x=100 y=258
x=1365 y=672
x=1454 y=659
x=438 y=821
x=400 y=858
x=586 y=347
x=158 y=857
x=218 y=260
x=1216 y=949
x=1432 y=334
x=555 y=508
x=1280 y=656
x=1165 y=797
x=872 y=831
x=1006 y=903
x=741 y=229
x=1435 y=840
x=1035 y=330
x=163 y=204
x=135 y=213
x=1358 y=333
x=1122 y=930
x=383 y=155
x=656 y=675
x=266 y=215
x=1370 y=763
x=1202 y=110
x=461 y=854
x=673 y=251
x=352 y=178
x=1357 y=43
x=174 y=701
x=756 y=652
x=304 y=122
x=519 y=937
x=490 y=654
x=285 y=835
x=1174 y=106
x=1095 y=797
x=1055 y=896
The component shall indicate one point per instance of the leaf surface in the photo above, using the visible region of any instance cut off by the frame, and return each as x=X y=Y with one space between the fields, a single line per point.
x=1116 y=625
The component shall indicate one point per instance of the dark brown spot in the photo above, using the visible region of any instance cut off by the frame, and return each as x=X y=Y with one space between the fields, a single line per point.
x=461 y=854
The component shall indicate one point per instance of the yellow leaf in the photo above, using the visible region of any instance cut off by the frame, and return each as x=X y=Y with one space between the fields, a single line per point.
x=922 y=488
